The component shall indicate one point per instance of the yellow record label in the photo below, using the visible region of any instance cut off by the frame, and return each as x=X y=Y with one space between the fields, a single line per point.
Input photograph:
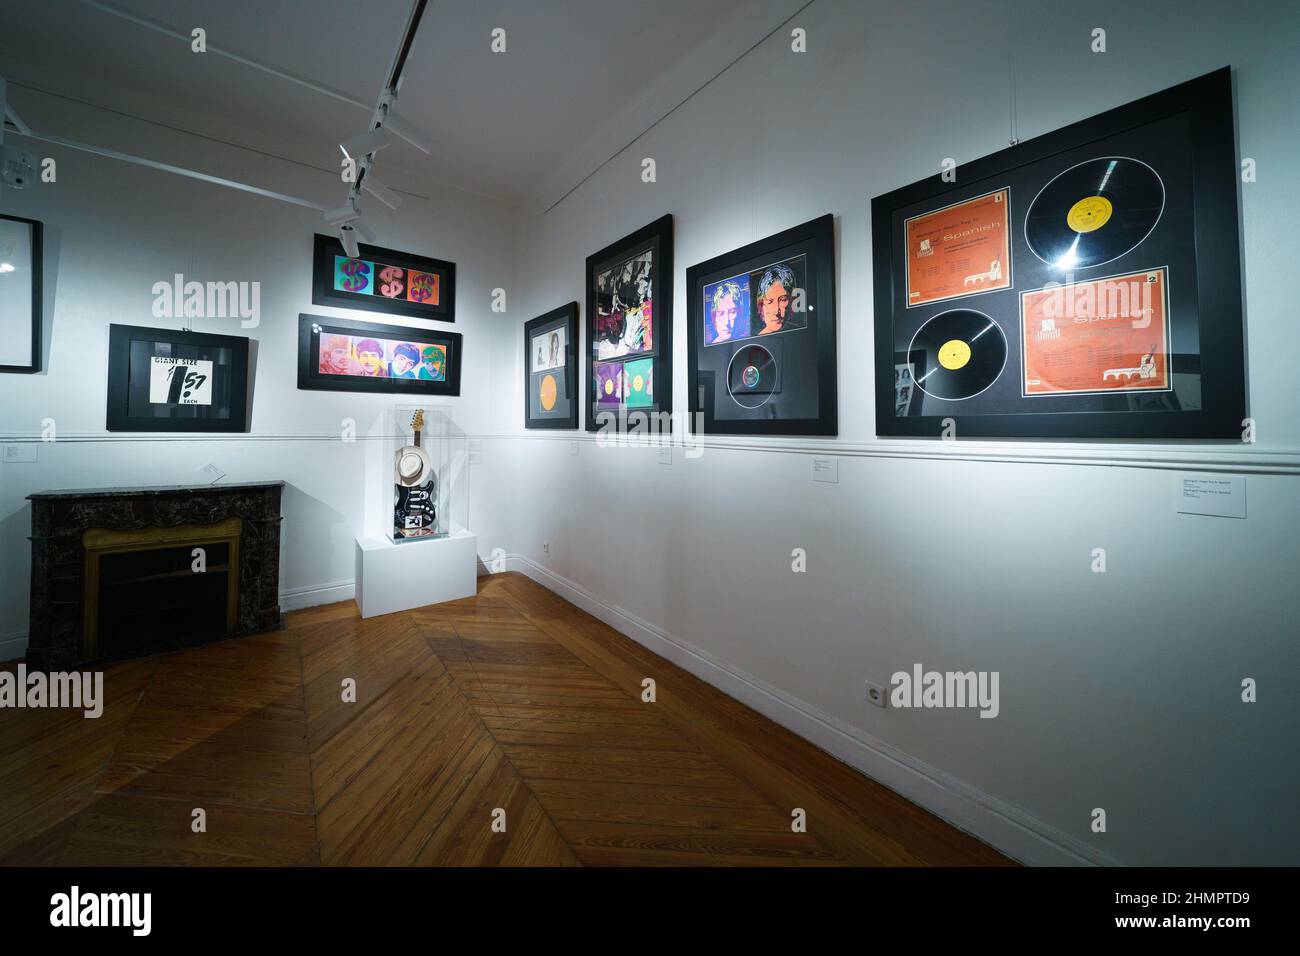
x=547 y=393
x=638 y=383
x=609 y=387
x=954 y=354
x=1089 y=213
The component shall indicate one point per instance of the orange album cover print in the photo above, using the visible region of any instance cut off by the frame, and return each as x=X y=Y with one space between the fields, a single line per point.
x=959 y=250
x=1103 y=335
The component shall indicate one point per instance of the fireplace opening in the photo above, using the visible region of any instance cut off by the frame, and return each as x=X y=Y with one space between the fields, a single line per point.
x=159 y=588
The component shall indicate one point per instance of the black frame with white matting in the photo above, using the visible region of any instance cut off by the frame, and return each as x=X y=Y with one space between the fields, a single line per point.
x=769 y=368
x=1129 y=332
x=542 y=377
x=608 y=331
x=210 y=396
x=20 y=311
x=375 y=295
x=311 y=378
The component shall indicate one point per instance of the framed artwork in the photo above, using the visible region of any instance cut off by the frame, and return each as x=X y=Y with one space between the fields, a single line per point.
x=551 y=369
x=762 y=342
x=383 y=280
x=20 y=294
x=629 y=329
x=339 y=355
x=164 y=380
x=1082 y=284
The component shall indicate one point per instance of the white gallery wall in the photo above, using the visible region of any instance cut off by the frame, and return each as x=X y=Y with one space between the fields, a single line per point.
x=1118 y=690
x=112 y=230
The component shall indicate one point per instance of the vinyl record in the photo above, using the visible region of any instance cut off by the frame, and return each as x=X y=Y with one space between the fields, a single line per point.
x=1094 y=212
x=751 y=376
x=963 y=351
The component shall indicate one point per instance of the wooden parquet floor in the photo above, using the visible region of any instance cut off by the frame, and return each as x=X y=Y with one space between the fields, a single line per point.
x=511 y=708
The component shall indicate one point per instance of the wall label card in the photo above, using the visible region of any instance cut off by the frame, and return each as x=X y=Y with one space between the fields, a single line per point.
x=827 y=470
x=1223 y=496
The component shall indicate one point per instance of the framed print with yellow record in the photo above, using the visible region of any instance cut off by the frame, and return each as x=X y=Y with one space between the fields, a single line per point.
x=1082 y=284
x=629 y=325
x=551 y=369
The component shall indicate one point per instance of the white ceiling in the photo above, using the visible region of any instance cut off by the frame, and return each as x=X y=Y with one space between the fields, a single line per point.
x=579 y=77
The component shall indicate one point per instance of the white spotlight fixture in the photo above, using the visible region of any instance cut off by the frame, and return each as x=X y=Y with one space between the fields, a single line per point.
x=366 y=143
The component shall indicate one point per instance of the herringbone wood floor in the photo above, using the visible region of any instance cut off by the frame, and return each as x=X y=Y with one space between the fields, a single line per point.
x=512 y=700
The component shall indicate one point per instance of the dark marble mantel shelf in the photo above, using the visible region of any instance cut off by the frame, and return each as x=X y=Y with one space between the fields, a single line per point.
x=151 y=490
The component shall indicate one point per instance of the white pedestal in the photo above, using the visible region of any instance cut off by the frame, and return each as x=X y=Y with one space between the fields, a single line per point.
x=397 y=577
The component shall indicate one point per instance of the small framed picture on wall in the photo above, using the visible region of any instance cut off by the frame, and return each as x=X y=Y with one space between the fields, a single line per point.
x=165 y=380
x=551 y=369
x=20 y=294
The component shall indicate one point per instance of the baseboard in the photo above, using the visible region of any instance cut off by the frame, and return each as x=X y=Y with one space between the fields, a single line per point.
x=300 y=598
x=13 y=646
x=1001 y=825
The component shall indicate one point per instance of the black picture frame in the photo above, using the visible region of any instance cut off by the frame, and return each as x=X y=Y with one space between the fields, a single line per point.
x=327 y=248
x=657 y=239
x=807 y=382
x=310 y=378
x=565 y=317
x=129 y=380
x=1203 y=305
x=36 y=235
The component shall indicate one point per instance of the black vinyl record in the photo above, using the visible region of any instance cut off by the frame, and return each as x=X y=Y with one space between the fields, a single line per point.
x=963 y=350
x=751 y=376
x=1094 y=212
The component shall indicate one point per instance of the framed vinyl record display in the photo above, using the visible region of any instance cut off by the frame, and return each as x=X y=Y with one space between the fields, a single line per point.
x=551 y=369
x=629 y=331
x=1082 y=284
x=762 y=336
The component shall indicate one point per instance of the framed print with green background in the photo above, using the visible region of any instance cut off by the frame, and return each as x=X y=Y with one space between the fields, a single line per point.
x=340 y=355
x=166 y=380
x=762 y=336
x=383 y=280
x=551 y=369
x=1082 y=284
x=20 y=295
x=629 y=330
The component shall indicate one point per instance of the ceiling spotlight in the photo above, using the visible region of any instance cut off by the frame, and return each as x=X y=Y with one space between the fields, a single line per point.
x=373 y=185
x=343 y=214
x=6 y=267
x=348 y=236
x=366 y=143
x=16 y=169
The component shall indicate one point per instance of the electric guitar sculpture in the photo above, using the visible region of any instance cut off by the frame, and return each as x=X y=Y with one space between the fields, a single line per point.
x=415 y=502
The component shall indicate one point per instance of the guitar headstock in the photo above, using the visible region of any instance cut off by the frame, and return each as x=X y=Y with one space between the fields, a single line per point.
x=417 y=420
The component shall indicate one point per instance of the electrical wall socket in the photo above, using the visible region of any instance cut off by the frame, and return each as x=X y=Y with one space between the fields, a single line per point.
x=546 y=547
x=875 y=694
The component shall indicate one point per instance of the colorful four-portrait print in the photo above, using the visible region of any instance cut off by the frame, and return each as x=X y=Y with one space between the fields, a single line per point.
x=383 y=280
x=628 y=327
x=762 y=346
x=1121 y=316
x=370 y=357
x=343 y=355
x=550 y=369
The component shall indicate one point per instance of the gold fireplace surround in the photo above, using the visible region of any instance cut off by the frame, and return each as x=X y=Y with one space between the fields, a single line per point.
x=100 y=541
